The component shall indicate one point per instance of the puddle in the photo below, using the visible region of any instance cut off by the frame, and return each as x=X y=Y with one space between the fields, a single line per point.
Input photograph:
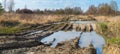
x=92 y=37
x=85 y=39
x=60 y=36
x=82 y=22
x=36 y=32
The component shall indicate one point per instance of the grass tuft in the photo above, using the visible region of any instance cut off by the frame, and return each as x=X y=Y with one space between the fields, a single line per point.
x=9 y=23
x=103 y=26
x=9 y=30
x=113 y=41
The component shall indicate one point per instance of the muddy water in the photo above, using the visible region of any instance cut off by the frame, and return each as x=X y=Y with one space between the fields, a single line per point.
x=82 y=22
x=60 y=36
x=92 y=37
x=86 y=38
x=36 y=32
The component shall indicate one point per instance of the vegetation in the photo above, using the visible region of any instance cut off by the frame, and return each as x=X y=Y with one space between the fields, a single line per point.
x=102 y=9
x=114 y=6
x=75 y=10
x=27 y=11
x=110 y=30
x=92 y=10
x=16 y=21
x=103 y=26
x=9 y=23
x=11 y=5
x=9 y=30
x=1 y=8
x=113 y=40
x=105 y=9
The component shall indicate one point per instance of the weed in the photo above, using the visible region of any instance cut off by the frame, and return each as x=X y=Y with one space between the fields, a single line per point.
x=9 y=30
x=113 y=40
x=103 y=26
x=9 y=23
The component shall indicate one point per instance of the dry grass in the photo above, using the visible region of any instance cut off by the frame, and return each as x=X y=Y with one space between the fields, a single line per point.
x=109 y=28
x=112 y=23
x=12 y=23
x=108 y=18
x=30 y=18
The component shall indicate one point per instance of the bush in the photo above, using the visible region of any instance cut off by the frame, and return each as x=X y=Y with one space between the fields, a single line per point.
x=27 y=11
x=9 y=23
x=103 y=26
x=91 y=18
x=102 y=29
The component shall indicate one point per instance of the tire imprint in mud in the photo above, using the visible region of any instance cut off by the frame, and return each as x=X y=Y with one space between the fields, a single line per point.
x=26 y=39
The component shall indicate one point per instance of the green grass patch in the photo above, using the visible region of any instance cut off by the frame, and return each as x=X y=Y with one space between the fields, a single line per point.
x=9 y=30
x=17 y=29
x=113 y=40
x=103 y=26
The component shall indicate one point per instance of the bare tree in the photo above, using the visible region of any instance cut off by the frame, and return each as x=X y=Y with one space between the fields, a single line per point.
x=77 y=10
x=4 y=3
x=105 y=9
x=92 y=10
x=113 y=5
x=1 y=8
x=11 y=5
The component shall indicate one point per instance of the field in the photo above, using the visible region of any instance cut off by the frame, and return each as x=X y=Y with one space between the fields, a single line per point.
x=24 y=31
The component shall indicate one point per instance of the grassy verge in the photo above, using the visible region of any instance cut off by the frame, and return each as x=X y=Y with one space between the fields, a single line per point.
x=113 y=40
x=110 y=31
x=9 y=30
x=102 y=28
x=17 y=29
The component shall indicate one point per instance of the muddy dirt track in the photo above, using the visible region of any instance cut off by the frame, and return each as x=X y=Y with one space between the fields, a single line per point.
x=28 y=42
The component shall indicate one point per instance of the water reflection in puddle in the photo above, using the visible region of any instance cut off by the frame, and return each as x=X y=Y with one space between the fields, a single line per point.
x=60 y=36
x=85 y=39
x=92 y=37
x=36 y=32
x=82 y=22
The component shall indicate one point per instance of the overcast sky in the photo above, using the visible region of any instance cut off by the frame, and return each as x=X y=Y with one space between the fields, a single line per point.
x=56 y=4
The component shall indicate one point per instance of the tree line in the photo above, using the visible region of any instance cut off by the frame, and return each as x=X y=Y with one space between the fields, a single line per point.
x=75 y=10
x=102 y=9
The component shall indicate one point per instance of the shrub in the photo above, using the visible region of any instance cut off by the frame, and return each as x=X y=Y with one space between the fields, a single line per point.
x=103 y=26
x=27 y=11
x=9 y=23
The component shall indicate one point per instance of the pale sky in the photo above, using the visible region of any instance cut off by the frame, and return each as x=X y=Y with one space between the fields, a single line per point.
x=56 y=4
